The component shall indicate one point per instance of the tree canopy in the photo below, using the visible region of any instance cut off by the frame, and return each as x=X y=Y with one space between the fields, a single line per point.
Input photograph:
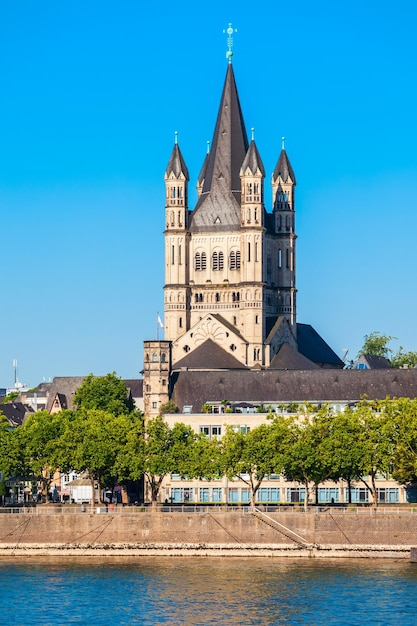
x=104 y=393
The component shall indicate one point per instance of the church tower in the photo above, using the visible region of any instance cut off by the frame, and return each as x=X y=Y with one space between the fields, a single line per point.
x=229 y=263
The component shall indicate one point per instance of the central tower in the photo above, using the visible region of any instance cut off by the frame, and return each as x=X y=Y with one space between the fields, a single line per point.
x=229 y=263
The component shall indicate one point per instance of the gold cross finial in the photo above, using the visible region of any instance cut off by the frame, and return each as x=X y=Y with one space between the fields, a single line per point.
x=229 y=31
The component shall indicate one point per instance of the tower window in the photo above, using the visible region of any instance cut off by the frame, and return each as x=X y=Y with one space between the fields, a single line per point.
x=249 y=252
x=287 y=258
x=163 y=357
x=217 y=262
x=234 y=320
x=154 y=358
x=180 y=322
x=179 y=255
x=217 y=297
x=200 y=261
x=172 y=255
x=234 y=260
x=280 y=258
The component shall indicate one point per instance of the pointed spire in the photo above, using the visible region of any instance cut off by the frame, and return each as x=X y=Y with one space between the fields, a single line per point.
x=283 y=167
x=229 y=147
x=252 y=161
x=176 y=163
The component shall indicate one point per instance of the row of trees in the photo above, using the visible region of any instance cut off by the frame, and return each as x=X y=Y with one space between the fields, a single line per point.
x=109 y=441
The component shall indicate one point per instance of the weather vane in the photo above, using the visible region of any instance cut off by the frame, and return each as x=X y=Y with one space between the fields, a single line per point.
x=230 y=30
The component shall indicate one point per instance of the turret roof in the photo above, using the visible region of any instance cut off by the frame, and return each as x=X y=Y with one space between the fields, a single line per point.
x=176 y=164
x=219 y=204
x=283 y=168
x=253 y=160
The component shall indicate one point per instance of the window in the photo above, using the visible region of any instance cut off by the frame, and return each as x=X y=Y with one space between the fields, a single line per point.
x=200 y=261
x=205 y=430
x=248 y=252
x=172 y=255
x=217 y=297
x=180 y=322
x=217 y=262
x=217 y=494
x=234 y=260
x=204 y=494
x=154 y=358
x=179 y=255
x=154 y=405
x=233 y=495
x=269 y=494
x=163 y=357
x=328 y=494
x=280 y=258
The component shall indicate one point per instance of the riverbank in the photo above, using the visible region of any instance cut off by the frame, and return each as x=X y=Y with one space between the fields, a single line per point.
x=313 y=535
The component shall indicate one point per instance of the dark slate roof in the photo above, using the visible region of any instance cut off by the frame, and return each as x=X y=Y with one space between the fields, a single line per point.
x=283 y=168
x=176 y=164
x=289 y=359
x=218 y=207
x=208 y=356
x=136 y=387
x=65 y=386
x=375 y=362
x=202 y=175
x=15 y=412
x=194 y=389
x=252 y=160
x=312 y=346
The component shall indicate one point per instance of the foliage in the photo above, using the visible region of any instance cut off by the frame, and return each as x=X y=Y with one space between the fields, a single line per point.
x=11 y=397
x=404 y=359
x=308 y=454
x=251 y=455
x=166 y=450
x=92 y=442
x=206 y=408
x=37 y=441
x=168 y=407
x=377 y=344
x=104 y=393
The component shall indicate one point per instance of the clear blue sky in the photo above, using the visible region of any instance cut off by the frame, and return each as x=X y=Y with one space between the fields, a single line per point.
x=90 y=96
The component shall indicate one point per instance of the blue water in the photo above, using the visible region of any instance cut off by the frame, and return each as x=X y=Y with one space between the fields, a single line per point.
x=192 y=591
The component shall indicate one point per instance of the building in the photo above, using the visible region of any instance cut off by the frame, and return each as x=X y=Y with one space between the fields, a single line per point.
x=231 y=329
x=230 y=264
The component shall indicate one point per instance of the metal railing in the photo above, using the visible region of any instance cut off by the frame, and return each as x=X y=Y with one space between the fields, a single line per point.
x=120 y=509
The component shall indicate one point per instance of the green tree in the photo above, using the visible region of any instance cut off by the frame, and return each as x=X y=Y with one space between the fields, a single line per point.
x=38 y=440
x=345 y=447
x=251 y=455
x=166 y=450
x=6 y=435
x=92 y=443
x=404 y=359
x=105 y=393
x=377 y=440
x=308 y=457
x=11 y=397
x=403 y=414
x=376 y=343
x=168 y=407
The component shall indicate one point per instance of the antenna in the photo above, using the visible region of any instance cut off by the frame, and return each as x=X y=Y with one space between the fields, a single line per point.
x=15 y=371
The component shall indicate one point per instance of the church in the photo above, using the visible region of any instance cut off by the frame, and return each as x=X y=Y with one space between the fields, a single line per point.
x=230 y=297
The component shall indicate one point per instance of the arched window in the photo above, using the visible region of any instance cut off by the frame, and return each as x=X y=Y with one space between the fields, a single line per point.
x=234 y=260
x=217 y=261
x=154 y=358
x=200 y=261
x=163 y=357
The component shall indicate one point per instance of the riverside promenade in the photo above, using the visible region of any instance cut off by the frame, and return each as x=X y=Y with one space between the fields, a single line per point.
x=387 y=532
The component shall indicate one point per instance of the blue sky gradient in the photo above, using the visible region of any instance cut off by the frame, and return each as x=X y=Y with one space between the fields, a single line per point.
x=90 y=96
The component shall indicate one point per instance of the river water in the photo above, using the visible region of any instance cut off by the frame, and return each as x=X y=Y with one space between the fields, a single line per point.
x=189 y=591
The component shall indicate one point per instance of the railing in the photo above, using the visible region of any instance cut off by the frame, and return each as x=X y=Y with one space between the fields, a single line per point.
x=120 y=509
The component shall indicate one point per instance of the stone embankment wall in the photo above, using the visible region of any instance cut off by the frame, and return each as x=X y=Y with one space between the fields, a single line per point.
x=290 y=534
